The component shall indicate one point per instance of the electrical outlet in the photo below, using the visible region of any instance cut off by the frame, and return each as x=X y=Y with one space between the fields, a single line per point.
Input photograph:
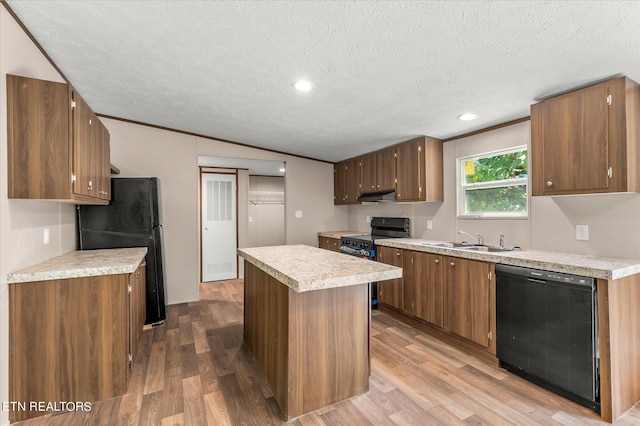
x=429 y=224
x=250 y=219
x=582 y=232
x=368 y=219
x=46 y=235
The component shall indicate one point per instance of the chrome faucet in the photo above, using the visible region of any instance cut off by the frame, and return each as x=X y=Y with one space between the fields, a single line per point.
x=478 y=237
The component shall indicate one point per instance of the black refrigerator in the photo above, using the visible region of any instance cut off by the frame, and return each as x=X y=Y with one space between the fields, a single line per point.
x=132 y=219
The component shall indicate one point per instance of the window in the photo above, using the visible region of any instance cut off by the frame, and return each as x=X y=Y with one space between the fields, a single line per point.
x=494 y=184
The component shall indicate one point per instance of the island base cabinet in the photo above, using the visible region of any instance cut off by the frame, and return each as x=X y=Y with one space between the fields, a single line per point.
x=70 y=339
x=312 y=347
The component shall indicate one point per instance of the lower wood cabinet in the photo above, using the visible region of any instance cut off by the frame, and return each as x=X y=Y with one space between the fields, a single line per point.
x=429 y=284
x=390 y=292
x=73 y=339
x=328 y=243
x=468 y=299
x=451 y=297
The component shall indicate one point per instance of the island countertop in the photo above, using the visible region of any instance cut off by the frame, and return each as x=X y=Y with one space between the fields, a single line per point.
x=84 y=263
x=305 y=268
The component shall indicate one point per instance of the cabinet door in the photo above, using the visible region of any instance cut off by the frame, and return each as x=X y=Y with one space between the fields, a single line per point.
x=324 y=243
x=137 y=309
x=105 y=164
x=390 y=292
x=430 y=288
x=410 y=166
x=334 y=244
x=353 y=180
x=570 y=144
x=411 y=272
x=38 y=139
x=368 y=169
x=468 y=299
x=83 y=135
x=340 y=183
x=386 y=169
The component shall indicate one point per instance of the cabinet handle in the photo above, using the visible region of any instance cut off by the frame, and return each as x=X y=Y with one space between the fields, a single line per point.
x=90 y=186
x=549 y=183
x=436 y=261
x=397 y=253
x=452 y=264
x=378 y=186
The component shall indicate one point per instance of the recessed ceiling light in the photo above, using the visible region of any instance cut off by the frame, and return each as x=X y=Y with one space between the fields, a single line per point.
x=467 y=116
x=303 y=86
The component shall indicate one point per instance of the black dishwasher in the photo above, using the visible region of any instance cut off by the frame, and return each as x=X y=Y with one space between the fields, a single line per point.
x=547 y=331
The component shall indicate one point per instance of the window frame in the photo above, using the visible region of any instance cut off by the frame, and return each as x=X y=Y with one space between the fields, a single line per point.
x=462 y=186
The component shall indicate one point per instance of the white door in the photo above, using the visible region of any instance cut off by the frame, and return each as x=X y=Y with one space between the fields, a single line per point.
x=219 y=236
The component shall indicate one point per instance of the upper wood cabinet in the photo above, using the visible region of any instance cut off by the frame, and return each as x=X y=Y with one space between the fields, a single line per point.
x=379 y=170
x=587 y=141
x=419 y=166
x=413 y=169
x=346 y=189
x=57 y=147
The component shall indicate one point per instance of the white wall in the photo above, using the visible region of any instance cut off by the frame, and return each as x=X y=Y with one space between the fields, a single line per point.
x=22 y=222
x=613 y=219
x=173 y=157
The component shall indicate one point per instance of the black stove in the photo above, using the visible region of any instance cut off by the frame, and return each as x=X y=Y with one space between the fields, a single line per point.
x=381 y=228
x=365 y=245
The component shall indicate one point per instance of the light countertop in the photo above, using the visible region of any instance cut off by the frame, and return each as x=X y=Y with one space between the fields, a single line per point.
x=304 y=268
x=86 y=263
x=577 y=264
x=340 y=234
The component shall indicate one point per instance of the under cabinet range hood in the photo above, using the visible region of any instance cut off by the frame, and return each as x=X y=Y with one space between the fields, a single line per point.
x=387 y=196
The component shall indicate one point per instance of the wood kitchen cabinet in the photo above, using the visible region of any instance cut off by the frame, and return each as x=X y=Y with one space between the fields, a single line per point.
x=448 y=297
x=587 y=141
x=419 y=166
x=137 y=309
x=430 y=288
x=413 y=169
x=468 y=299
x=57 y=147
x=346 y=188
x=73 y=339
x=327 y=243
x=411 y=275
x=390 y=292
x=379 y=170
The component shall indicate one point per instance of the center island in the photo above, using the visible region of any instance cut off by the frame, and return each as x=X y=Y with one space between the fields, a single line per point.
x=307 y=314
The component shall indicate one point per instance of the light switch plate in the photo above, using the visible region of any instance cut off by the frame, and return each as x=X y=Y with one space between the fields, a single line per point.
x=46 y=235
x=429 y=224
x=250 y=219
x=582 y=232
x=298 y=214
x=368 y=219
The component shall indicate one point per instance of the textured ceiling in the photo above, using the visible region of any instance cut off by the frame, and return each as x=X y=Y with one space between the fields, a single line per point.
x=383 y=71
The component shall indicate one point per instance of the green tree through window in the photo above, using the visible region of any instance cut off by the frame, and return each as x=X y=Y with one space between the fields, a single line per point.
x=494 y=184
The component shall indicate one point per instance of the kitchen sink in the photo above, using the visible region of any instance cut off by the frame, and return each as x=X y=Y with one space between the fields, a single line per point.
x=449 y=245
x=488 y=249
x=470 y=247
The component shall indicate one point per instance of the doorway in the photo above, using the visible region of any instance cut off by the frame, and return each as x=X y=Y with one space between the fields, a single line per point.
x=219 y=226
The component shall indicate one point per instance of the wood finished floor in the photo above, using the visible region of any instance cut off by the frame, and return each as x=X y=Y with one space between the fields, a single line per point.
x=193 y=370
